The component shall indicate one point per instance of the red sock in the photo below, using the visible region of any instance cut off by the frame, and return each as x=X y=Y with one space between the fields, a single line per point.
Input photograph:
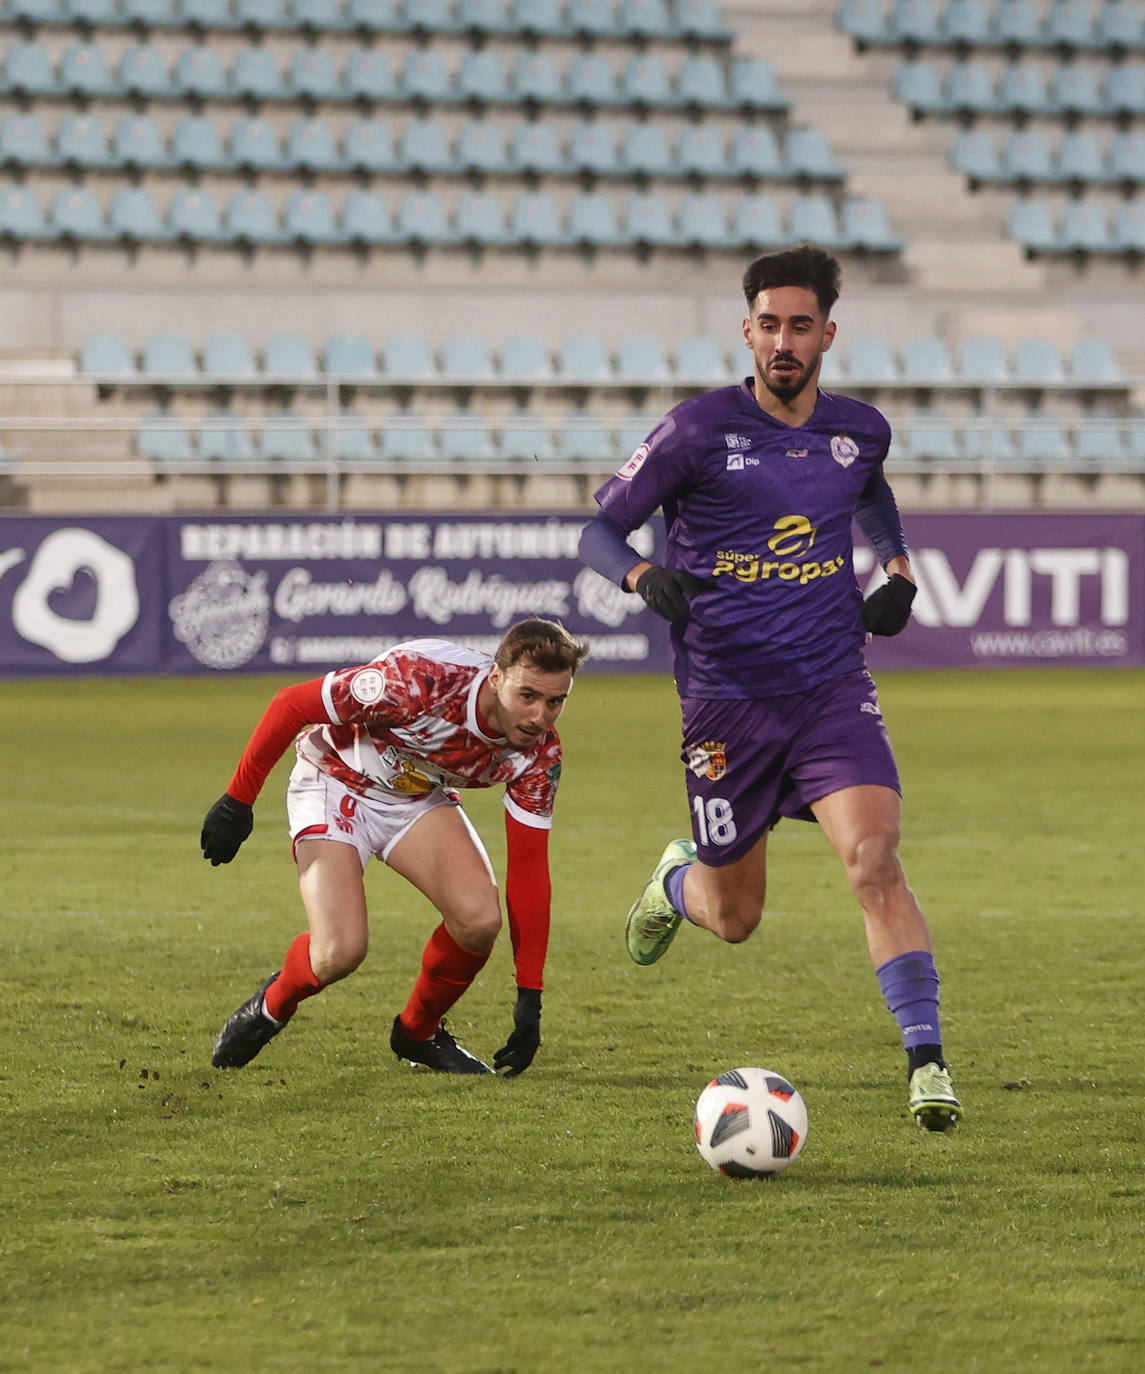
x=294 y=983
x=446 y=971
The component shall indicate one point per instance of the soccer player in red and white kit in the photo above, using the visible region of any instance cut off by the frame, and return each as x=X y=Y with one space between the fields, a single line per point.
x=380 y=776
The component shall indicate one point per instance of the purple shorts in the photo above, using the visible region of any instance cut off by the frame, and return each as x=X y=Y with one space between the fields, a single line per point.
x=751 y=762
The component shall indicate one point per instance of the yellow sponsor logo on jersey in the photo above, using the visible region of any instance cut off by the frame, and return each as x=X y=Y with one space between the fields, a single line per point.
x=747 y=567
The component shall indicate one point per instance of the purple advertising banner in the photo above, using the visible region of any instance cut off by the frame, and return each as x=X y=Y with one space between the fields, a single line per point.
x=299 y=594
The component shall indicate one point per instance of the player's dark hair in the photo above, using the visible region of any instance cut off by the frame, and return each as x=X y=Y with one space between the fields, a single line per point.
x=547 y=645
x=803 y=266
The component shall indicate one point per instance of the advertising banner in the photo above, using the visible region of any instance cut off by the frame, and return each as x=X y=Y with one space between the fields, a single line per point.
x=297 y=594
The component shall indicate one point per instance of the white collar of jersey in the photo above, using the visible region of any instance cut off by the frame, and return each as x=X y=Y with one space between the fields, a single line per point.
x=471 y=717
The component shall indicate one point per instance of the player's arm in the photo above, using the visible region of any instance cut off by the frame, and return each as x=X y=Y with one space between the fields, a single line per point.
x=231 y=819
x=887 y=609
x=528 y=901
x=667 y=591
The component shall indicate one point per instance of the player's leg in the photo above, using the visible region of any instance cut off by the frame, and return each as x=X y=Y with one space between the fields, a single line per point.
x=863 y=825
x=443 y=857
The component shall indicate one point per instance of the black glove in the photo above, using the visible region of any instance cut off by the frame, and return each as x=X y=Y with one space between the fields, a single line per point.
x=516 y=1054
x=668 y=590
x=225 y=827
x=887 y=610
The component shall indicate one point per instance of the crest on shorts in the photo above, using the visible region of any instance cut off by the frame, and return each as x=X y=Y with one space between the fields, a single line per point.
x=709 y=760
x=844 y=450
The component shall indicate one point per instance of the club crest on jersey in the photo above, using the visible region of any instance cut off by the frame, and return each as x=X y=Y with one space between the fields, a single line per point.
x=844 y=450
x=367 y=686
x=634 y=464
x=709 y=760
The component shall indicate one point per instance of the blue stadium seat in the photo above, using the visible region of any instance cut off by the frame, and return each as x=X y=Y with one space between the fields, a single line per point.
x=106 y=355
x=982 y=361
x=481 y=148
x=133 y=216
x=591 y=221
x=29 y=71
x=1083 y=228
x=228 y=356
x=467 y=357
x=967 y=24
x=700 y=360
x=536 y=149
x=807 y=155
x=1120 y=26
x=535 y=221
x=483 y=17
x=536 y=81
x=592 y=149
x=865 y=225
x=970 y=89
x=752 y=87
x=1079 y=160
x=647 y=222
x=871 y=359
x=408 y=358
x=425 y=77
x=1135 y=442
x=645 y=153
x=584 y=439
x=254 y=146
x=926 y=361
x=142 y=72
x=538 y=19
x=1022 y=89
x=594 y=19
x=225 y=437
x=918 y=85
x=1026 y=157
x=1018 y=24
x=422 y=219
x=197 y=145
x=1075 y=91
x=372 y=17
x=1038 y=361
x=1044 y=444
x=701 y=84
x=424 y=148
x=315 y=18
x=429 y=18
x=289 y=356
x=1069 y=26
x=649 y=19
x=1031 y=223
x=1125 y=91
x=311 y=146
x=349 y=355
x=701 y=20
x=353 y=440
x=193 y=216
x=525 y=357
x=368 y=147
x=168 y=357
x=163 y=438
x=308 y=219
x=645 y=83
x=368 y=77
x=701 y=223
x=21 y=214
x=754 y=154
x=255 y=75
x=208 y=16
x=312 y=75
x=1093 y=360
x=583 y=359
x=641 y=358
x=76 y=215
x=701 y=153
x=1100 y=445
x=286 y=438
x=479 y=220
x=407 y=440
x=591 y=81
x=633 y=431
x=138 y=144
x=934 y=439
x=84 y=72
x=1127 y=159
x=366 y=220
x=481 y=79
x=812 y=218
x=756 y=223
x=832 y=372
x=24 y=142
x=975 y=154
x=251 y=221
x=198 y=74
x=37 y=12
x=917 y=22
x=467 y=437
x=865 y=21
x=528 y=440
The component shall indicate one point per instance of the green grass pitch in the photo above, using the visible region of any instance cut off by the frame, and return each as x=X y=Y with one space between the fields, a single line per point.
x=328 y=1209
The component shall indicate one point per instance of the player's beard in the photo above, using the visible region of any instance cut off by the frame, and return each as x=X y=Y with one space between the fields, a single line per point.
x=786 y=389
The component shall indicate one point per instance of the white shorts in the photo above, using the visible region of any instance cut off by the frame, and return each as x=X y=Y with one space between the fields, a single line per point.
x=319 y=807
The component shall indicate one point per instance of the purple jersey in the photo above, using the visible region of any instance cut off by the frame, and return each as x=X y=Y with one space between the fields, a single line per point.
x=765 y=509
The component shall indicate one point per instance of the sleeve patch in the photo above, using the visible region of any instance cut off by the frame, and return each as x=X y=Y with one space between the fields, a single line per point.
x=368 y=686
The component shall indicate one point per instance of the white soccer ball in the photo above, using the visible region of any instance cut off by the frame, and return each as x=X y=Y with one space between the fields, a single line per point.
x=750 y=1123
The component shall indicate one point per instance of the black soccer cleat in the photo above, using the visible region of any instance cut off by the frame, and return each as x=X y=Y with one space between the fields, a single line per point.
x=246 y=1032
x=441 y=1052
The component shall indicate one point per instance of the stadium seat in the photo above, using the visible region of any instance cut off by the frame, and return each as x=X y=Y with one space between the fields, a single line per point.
x=754 y=154
x=133 y=216
x=1044 y=443
x=641 y=359
x=647 y=221
x=1100 y=445
x=700 y=151
x=208 y=16
x=1031 y=223
x=1093 y=360
x=701 y=20
x=1127 y=159
x=1018 y=24
x=535 y=80
x=106 y=355
x=648 y=19
x=24 y=142
x=372 y=17
x=193 y=216
x=1037 y=361
x=408 y=357
x=254 y=146
x=992 y=446
x=871 y=359
x=168 y=357
x=407 y=440
x=228 y=356
x=84 y=72
x=1120 y=26
x=585 y=440
x=865 y=22
x=700 y=361
x=701 y=84
x=1022 y=89
x=966 y=24
x=969 y=89
x=918 y=85
x=29 y=71
x=590 y=81
x=527 y=440
x=535 y=149
x=916 y=23
x=584 y=359
x=308 y=219
x=982 y=361
x=483 y=17
x=353 y=440
x=481 y=79
x=258 y=16
x=467 y=358
x=1135 y=442
x=1026 y=157
x=368 y=147
x=752 y=87
x=592 y=148
x=1083 y=228
x=1069 y=26
x=225 y=437
x=313 y=76
x=251 y=221
x=349 y=355
x=1125 y=91
x=812 y=218
x=198 y=74
x=1075 y=91
x=525 y=357
x=138 y=144
x=832 y=372
x=422 y=219
x=594 y=19
x=254 y=75
x=539 y=19
x=535 y=222
x=479 y=220
x=429 y=18
x=21 y=214
x=76 y=215
x=315 y=18
x=289 y=356
x=974 y=153
x=807 y=155
x=756 y=223
x=425 y=77
x=633 y=431
x=481 y=148
x=162 y=438
x=311 y=146
x=1079 y=160
x=645 y=152
x=94 y=14
x=286 y=438
x=701 y=223
x=368 y=77
x=197 y=145
x=591 y=221
x=933 y=439
x=142 y=72
x=926 y=361
x=467 y=438
x=424 y=148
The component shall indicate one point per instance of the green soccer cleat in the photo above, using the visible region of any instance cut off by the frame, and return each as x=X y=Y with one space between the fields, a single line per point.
x=653 y=920
x=932 y=1101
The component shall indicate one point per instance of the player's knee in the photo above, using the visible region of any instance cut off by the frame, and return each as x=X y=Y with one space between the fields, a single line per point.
x=736 y=923
x=874 y=868
x=475 y=929
x=337 y=957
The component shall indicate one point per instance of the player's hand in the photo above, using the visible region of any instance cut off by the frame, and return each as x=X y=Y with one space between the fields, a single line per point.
x=668 y=590
x=516 y=1054
x=887 y=609
x=225 y=827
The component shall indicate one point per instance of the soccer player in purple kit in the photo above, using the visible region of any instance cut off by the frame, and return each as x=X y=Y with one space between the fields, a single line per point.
x=759 y=485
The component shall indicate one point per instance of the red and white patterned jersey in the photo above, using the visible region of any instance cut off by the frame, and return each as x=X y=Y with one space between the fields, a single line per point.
x=408 y=723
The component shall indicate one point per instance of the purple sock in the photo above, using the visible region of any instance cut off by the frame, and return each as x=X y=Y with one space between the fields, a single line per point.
x=674 y=887
x=910 y=985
